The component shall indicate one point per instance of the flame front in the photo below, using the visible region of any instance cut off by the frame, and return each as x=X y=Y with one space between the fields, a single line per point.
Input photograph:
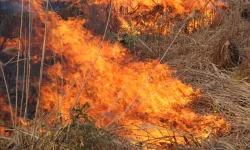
x=115 y=82
x=119 y=87
x=163 y=16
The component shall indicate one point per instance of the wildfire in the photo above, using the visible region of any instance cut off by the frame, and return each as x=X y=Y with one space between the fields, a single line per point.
x=115 y=82
x=5 y=117
x=163 y=16
x=119 y=88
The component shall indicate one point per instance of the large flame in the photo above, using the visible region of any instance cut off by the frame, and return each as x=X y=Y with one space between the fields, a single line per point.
x=157 y=16
x=115 y=82
x=118 y=88
x=116 y=75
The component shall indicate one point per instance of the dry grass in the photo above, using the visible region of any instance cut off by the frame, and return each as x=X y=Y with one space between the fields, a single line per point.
x=225 y=88
x=198 y=59
x=80 y=133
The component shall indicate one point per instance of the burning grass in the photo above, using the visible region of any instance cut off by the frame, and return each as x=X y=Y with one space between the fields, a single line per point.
x=166 y=113
x=224 y=88
x=80 y=133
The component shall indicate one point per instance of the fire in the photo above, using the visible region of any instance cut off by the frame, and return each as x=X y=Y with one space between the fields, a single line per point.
x=163 y=16
x=5 y=117
x=114 y=83
x=118 y=88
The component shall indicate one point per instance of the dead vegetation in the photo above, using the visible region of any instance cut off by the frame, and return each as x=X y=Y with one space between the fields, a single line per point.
x=214 y=59
x=80 y=133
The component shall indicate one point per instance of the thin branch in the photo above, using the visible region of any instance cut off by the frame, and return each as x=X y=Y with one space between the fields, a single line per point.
x=62 y=98
x=24 y=73
x=118 y=97
x=18 y=59
x=41 y=68
x=8 y=94
x=150 y=76
x=29 y=58
x=62 y=62
x=97 y=56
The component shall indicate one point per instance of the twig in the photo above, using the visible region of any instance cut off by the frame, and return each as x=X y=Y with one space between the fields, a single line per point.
x=41 y=68
x=118 y=97
x=149 y=77
x=62 y=62
x=28 y=64
x=97 y=56
x=8 y=95
x=62 y=98
x=18 y=59
x=143 y=43
x=24 y=75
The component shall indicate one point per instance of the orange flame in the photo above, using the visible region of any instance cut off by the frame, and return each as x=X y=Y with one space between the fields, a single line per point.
x=5 y=117
x=164 y=100
x=161 y=16
x=117 y=87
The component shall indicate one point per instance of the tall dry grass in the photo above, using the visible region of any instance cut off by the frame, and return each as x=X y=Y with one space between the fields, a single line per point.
x=225 y=89
x=194 y=56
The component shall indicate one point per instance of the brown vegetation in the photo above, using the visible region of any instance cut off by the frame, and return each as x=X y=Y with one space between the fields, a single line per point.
x=214 y=59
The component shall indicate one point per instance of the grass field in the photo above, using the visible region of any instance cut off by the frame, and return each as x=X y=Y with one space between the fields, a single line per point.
x=82 y=76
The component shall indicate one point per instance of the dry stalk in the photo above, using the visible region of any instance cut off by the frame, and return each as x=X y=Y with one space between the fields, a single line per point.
x=151 y=74
x=8 y=94
x=18 y=59
x=97 y=56
x=41 y=68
